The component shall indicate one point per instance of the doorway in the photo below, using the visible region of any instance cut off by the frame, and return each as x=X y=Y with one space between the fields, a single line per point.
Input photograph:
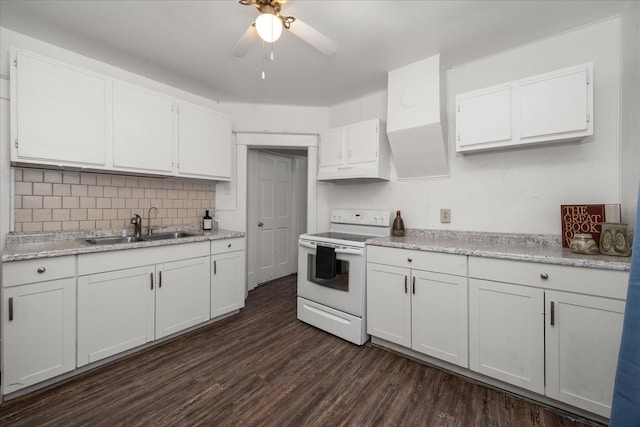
x=277 y=212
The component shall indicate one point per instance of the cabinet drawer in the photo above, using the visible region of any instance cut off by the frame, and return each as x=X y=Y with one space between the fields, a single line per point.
x=100 y=262
x=227 y=245
x=592 y=281
x=38 y=270
x=420 y=260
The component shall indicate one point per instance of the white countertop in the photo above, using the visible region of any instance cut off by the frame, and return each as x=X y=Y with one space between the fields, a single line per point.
x=31 y=246
x=531 y=248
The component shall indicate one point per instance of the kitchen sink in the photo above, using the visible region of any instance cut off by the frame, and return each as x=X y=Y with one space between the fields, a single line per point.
x=165 y=236
x=114 y=240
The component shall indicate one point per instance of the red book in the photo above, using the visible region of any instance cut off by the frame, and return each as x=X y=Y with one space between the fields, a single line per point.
x=586 y=219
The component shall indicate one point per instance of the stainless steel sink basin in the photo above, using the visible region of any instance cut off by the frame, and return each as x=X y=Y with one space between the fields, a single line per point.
x=165 y=236
x=114 y=240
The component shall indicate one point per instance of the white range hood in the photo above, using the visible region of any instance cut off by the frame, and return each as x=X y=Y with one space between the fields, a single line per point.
x=413 y=120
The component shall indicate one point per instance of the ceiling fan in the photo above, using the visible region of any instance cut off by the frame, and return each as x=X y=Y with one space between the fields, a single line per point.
x=269 y=24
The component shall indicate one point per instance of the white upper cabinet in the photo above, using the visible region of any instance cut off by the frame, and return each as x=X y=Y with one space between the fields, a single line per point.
x=63 y=115
x=360 y=150
x=331 y=148
x=58 y=113
x=484 y=117
x=204 y=143
x=142 y=129
x=555 y=106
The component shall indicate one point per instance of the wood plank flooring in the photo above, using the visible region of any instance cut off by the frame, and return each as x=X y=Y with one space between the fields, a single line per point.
x=263 y=367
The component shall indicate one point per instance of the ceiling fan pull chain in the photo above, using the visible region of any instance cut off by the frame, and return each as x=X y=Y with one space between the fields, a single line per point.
x=262 y=59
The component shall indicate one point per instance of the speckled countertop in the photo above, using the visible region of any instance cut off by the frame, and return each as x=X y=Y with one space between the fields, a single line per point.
x=22 y=246
x=520 y=247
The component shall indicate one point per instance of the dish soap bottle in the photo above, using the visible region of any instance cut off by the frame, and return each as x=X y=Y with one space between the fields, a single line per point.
x=207 y=222
x=398 y=225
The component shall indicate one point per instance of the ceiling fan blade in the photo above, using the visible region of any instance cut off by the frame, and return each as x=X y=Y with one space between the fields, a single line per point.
x=313 y=37
x=246 y=41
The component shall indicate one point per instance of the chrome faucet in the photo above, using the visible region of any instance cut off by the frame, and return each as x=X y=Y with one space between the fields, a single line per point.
x=149 y=219
x=137 y=225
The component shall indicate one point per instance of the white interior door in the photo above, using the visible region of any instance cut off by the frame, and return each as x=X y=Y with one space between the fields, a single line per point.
x=274 y=217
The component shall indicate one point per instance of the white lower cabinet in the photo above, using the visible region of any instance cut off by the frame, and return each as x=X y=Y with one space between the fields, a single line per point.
x=129 y=298
x=116 y=312
x=534 y=326
x=506 y=333
x=415 y=308
x=38 y=321
x=227 y=276
x=182 y=295
x=38 y=333
x=582 y=346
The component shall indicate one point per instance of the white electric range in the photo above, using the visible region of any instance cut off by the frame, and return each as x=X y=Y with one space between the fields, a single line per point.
x=336 y=303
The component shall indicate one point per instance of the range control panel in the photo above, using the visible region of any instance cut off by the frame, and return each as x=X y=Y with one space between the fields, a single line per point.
x=361 y=217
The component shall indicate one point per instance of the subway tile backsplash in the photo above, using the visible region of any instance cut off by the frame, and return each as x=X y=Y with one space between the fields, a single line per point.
x=48 y=200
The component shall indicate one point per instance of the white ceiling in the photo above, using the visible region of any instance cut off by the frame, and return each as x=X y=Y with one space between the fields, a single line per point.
x=187 y=44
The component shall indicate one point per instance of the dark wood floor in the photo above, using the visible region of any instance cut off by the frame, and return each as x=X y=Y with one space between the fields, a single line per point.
x=264 y=367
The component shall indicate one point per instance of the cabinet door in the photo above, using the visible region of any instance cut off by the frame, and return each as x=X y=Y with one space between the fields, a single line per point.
x=582 y=338
x=506 y=333
x=116 y=312
x=555 y=104
x=182 y=295
x=227 y=283
x=331 y=148
x=58 y=113
x=362 y=142
x=39 y=332
x=484 y=117
x=204 y=142
x=439 y=316
x=142 y=129
x=389 y=303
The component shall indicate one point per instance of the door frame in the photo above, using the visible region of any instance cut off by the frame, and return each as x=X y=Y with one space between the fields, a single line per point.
x=231 y=197
x=253 y=211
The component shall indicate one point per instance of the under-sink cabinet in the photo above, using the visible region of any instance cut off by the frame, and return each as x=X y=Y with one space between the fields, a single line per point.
x=418 y=300
x=129 y=298
x=38 y=321
x=551 y=329
x=227 y=276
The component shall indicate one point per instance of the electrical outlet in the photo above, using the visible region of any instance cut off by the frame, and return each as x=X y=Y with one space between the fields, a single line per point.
x=445 y=216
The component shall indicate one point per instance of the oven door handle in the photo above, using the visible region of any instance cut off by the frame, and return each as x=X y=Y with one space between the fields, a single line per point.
x=338 y=250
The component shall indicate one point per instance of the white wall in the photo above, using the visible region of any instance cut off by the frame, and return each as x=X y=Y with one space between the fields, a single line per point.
x=518 y=190
x=630 y=108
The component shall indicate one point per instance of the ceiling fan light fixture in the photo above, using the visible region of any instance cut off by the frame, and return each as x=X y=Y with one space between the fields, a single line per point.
x=269 y=27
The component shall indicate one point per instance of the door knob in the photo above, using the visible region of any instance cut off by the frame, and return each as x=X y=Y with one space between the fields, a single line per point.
x=260 y=224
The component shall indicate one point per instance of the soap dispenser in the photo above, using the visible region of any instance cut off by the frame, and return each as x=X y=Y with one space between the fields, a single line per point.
x=398 y=226
x=207 y=222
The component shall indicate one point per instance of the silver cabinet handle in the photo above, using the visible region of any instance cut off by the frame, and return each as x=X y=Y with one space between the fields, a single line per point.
x=229 y=245
x=10 y=309
x=413 y=285
x=41 y=270
x=544 y=276
x=409 y=259
x=151 y=280
x=553 y=314
x=160 y=279
x=214 y=267
x=405 y=284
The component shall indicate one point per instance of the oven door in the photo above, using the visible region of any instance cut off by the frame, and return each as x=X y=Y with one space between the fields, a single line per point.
x=346 y=291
